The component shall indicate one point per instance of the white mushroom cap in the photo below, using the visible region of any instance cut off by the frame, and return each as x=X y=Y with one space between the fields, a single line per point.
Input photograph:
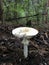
x=27 y=31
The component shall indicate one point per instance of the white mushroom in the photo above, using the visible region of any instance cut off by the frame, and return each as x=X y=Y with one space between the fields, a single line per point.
x=25 y=33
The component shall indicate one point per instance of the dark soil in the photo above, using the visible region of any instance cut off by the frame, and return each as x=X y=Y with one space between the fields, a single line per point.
x=11 y=48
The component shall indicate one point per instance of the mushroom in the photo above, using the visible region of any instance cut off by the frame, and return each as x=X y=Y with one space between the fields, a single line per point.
x=26 y=33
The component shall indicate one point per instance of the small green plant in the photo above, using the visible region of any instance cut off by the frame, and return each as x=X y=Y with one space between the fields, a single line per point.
x=23 y=8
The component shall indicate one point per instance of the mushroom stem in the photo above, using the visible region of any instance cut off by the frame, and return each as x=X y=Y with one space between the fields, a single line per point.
x=25 y=42
x=25 y=50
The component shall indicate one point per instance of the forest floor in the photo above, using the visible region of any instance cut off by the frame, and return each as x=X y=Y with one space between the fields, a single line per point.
x=11 y=48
